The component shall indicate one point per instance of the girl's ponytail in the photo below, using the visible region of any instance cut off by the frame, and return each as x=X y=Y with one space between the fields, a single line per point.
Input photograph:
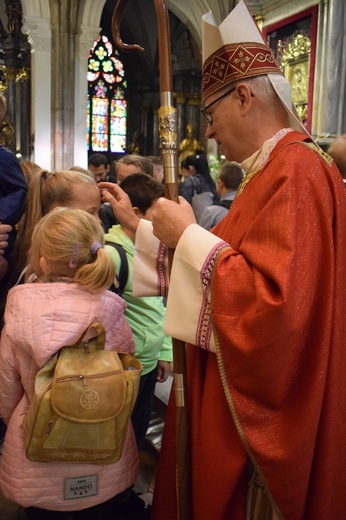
x=71 y=242
x=97 y=274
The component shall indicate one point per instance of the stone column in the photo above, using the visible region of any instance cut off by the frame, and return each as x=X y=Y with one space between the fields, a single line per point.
x=39 y=37
x=329 y=112
x=84 y=40
x=192 y=114
x=64 y=27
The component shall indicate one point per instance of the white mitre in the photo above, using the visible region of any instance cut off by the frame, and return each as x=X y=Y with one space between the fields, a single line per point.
x=236 y=50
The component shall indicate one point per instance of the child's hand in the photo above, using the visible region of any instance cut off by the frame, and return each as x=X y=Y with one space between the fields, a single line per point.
x=121 y=205
x=163 y=371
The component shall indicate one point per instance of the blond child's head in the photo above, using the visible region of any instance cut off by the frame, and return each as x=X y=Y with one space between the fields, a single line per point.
x=67 y=244
x=48 y=190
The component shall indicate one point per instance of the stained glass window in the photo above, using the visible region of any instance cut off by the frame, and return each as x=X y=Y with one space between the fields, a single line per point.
x=107 y=110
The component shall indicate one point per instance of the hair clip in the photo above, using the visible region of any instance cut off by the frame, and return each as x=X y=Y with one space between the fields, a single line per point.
x=74 y=257
x=95 y=247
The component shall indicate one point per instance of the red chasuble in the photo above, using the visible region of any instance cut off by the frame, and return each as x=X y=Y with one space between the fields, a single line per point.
x=275 y=391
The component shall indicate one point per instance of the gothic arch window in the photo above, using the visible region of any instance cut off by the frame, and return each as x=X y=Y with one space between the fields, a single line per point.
x=107 y=109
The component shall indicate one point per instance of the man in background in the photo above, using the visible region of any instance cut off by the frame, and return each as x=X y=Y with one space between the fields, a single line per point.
x=159 y=173
x=230 y=176
x=133 y=163
x=98 y=165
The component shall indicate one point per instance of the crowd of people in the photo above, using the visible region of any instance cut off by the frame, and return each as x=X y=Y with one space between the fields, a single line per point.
x=256 y=292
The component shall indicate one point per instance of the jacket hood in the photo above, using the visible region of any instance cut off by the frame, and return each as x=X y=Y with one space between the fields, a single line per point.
x=43 y=317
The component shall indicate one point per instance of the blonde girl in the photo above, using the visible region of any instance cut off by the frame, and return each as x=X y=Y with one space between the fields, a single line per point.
x=67 y=244
x=70 y=292
x=49 y=190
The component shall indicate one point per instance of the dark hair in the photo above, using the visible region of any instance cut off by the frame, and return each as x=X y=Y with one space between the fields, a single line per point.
x=142 y=190
x=190 y=160
x=231 y=174
x=200 y=163
x=98 y=159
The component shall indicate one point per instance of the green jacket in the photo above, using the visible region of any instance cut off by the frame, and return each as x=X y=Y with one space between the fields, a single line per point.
x=145 y=315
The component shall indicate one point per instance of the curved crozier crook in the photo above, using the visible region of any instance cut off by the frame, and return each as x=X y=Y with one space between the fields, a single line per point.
x=116 y=19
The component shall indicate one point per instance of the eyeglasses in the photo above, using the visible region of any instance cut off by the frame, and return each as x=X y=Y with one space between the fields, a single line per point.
x=204 y=109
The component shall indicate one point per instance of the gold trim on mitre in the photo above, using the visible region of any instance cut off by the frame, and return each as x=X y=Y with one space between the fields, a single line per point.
x=236 y=50
x=237 y=61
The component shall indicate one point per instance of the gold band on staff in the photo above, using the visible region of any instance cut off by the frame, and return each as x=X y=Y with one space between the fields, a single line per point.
x=168 y=141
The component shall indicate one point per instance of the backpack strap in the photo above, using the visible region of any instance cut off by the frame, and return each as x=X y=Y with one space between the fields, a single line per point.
x=224 y=203
x=123 y=271
x=196 y=183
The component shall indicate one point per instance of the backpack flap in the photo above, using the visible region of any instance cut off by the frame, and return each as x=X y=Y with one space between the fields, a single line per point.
x=87 y=378
x=88 y=386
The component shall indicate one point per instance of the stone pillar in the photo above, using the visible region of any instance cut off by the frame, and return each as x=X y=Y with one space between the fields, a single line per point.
x=192 y=114
x=64 y=27
x=329 y=112
x=39 y=37
x=85 y=38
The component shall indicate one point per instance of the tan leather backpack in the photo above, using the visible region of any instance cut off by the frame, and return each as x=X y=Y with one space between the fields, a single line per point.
x=83 y=399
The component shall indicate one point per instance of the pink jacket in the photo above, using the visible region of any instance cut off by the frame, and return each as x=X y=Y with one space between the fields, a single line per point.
x=40 y=318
